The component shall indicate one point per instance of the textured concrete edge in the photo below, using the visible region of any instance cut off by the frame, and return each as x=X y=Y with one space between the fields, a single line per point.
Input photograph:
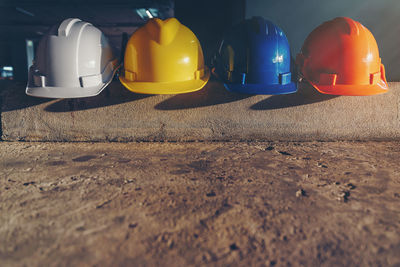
x=2 y=93
x=199 y=140
x=1 y=114
x=28 y=127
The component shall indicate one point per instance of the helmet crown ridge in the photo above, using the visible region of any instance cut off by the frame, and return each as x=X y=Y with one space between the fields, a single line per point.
x=163 y=32
x=66 y=25
x=347 y=25
x=261 y=26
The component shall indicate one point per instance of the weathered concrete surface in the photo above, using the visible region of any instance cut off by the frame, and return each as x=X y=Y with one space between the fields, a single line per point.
x=195 y=204
x=210 y=114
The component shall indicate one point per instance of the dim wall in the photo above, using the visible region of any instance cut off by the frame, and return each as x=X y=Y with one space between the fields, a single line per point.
x=299 y=18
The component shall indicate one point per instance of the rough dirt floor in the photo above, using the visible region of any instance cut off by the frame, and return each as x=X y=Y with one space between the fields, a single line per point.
x=181 y=204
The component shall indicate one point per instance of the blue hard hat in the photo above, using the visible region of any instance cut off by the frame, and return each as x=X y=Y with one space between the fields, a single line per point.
x=254 y=58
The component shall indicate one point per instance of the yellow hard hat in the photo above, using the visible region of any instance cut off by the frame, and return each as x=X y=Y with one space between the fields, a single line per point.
x=164 y=57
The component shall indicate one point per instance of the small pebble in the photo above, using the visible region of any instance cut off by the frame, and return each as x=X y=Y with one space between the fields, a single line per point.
x=300 y=193
x=321 y=165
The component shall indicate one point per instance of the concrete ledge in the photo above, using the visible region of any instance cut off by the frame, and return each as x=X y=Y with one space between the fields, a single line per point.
x=210 y=114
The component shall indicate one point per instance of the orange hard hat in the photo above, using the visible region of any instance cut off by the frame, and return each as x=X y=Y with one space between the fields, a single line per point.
x=341 y=57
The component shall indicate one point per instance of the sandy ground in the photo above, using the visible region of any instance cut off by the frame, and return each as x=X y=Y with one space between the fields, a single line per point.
x=180 y=204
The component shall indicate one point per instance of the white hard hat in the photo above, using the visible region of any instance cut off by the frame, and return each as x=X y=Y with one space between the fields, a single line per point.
x=74 y=60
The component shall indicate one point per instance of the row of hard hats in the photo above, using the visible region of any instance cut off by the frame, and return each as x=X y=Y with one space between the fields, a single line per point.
x=339 y=57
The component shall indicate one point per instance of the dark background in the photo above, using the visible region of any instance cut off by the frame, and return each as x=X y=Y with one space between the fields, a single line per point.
x=299 y=17
x=22 y=21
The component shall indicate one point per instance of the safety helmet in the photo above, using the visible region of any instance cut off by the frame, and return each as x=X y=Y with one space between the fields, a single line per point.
x=73 y=60
x=341 y=57
x=164 y=57
x=254 y=58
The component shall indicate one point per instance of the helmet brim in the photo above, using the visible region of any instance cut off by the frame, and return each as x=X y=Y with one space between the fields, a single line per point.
x=262 y=89
x=64 y=92
x=353 y=90
x=166 y=88
x=67 y=92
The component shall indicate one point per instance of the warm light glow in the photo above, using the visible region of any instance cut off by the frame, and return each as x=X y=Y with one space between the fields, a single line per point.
x=186 y=59
x=369 y=58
